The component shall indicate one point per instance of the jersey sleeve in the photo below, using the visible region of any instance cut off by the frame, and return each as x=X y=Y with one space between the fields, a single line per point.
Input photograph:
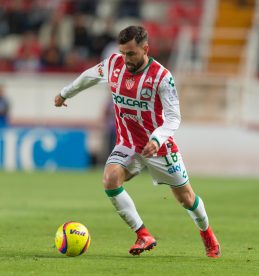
x=172 y=117
x=90 y=77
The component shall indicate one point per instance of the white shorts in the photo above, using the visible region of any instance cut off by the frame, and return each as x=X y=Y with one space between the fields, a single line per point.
x=167 y=169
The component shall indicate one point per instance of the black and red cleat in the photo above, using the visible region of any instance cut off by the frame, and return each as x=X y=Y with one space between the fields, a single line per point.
x=211 y=244
x=142 y=243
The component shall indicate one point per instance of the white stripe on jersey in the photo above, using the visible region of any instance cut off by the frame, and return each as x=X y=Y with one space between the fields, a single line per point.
x=141 y=81
x=121 y=73
x=117 y=91
x=158 y=75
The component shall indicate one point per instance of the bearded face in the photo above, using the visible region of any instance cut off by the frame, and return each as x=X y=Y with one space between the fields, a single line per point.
x=134 y=55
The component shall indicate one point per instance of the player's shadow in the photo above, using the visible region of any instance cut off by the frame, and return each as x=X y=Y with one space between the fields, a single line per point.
x=25 y=255
x=139 y=258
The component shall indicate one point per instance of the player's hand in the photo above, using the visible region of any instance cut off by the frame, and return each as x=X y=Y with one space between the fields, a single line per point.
x=59 y=101
x=150 y=149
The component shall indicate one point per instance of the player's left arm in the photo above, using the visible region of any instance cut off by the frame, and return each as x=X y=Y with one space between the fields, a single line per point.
x=172 y=117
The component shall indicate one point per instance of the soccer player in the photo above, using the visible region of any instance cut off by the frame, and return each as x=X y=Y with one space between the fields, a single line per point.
x=147 y=115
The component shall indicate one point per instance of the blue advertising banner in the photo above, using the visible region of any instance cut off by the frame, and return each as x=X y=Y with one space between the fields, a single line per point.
x=43 y=149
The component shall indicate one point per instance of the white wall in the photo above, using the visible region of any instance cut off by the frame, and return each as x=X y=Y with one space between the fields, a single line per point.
x=219 y=150
x=32 y=98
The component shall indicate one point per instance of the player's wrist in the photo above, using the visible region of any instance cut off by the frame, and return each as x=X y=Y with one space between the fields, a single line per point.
x=61 y=96
x=154 y=139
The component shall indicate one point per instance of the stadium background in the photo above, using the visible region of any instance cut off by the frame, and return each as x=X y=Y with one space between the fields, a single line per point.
x=211 y=48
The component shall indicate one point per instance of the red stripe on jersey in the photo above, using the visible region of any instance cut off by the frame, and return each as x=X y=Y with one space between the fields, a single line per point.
x=118 y=137
x=116 y=72
x=139 y=136
x=162 y=150
x=161 y=78
x=109 y=67
x=147 y=121
x=122 y=136
x=172 y=144
x=158 y=110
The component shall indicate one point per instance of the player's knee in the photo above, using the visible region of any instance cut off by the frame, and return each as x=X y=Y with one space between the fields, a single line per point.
x=188 y=200
x=111 y=180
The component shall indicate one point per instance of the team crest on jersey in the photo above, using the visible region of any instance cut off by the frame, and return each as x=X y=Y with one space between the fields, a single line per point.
x=146 y=93
x=129 y=83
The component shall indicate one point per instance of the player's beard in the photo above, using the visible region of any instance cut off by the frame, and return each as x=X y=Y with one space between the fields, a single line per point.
x=134 y=67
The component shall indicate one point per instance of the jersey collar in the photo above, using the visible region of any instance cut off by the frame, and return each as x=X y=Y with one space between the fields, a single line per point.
x=149 y=62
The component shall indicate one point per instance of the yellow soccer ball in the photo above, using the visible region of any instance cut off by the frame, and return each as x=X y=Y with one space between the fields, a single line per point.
x=72 y=239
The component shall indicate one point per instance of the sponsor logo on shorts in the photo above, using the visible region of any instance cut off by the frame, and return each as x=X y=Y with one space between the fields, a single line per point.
x=175 y=169
x=135 y=118
x=119 y=153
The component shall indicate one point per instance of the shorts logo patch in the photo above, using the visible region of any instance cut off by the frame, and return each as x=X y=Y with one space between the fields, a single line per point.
x=130 y=117
x=174 y=169
x=120 y=154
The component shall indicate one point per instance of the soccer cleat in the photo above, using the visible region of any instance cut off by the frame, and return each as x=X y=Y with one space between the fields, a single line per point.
x=211 y=244
x=142 y=243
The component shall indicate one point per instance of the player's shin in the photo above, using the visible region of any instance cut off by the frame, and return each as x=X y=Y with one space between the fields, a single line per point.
x=198 y=213
x=125 y=207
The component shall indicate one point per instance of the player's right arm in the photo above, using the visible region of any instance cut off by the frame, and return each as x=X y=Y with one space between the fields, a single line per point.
x=89 y=78
x=172 y=117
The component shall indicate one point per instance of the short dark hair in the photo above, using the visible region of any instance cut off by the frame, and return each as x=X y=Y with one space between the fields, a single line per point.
x=133 y=32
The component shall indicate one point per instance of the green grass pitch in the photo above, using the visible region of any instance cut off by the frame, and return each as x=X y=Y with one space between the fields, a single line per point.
x=33 y=205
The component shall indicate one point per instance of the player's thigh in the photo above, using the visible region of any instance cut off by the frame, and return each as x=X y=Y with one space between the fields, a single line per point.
x=168 y=169
x=122 y=164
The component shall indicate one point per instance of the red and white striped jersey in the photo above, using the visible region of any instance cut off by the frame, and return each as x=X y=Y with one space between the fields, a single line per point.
x=146 y=103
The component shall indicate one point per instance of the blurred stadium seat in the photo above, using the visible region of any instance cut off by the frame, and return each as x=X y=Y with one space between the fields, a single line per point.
x=9 y=45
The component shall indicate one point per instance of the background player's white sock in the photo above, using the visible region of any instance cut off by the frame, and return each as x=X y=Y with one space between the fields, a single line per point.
x=125 y=207
x=198 y=214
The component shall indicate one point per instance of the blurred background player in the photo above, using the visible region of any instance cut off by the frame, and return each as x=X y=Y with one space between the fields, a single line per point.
x=4 y=108
x=109 y=125
x=147 y=114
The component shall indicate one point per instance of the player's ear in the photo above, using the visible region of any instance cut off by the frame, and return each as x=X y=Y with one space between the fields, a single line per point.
x=146 y=49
